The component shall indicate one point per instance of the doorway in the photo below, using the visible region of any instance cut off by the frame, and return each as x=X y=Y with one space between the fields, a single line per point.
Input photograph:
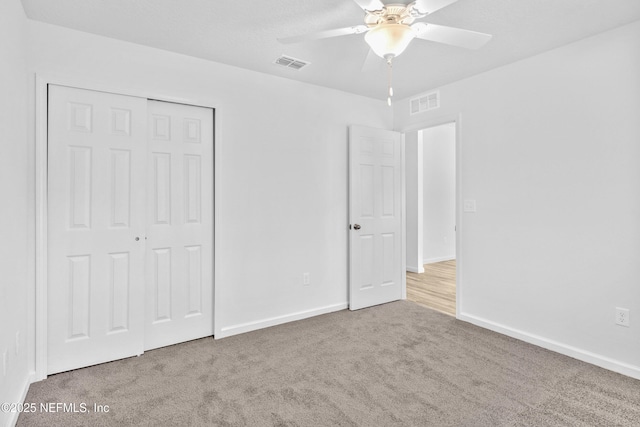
x=431 y=217
x=130 y=226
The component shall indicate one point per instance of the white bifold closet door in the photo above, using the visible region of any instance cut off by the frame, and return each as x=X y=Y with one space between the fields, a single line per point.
x=130 y=226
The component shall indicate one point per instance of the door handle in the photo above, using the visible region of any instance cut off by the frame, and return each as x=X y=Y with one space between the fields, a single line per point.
x=356 y=226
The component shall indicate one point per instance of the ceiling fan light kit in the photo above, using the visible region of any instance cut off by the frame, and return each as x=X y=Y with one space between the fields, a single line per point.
x=389 y=33
x=389 y=29
x=389 y=40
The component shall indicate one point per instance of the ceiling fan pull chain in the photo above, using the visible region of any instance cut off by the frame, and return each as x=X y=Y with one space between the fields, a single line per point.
x=390 y=81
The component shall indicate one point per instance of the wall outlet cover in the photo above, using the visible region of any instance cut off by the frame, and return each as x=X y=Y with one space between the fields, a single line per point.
x=469 y=205
x=622 y=316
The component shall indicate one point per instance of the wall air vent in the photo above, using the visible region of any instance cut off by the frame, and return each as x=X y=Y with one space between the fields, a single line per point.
x=289 y=62
x=426 y=102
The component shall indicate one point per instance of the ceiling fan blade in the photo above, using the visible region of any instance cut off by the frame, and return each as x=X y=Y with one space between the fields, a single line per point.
x=357 y=29
x=370 y=4
x=371 y=62
x=451 y=36
x=430 y=6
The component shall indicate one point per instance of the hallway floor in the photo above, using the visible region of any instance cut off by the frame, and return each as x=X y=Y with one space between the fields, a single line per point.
x=435 y=288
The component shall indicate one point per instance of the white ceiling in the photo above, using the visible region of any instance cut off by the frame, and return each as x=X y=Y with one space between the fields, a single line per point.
x=244 y=33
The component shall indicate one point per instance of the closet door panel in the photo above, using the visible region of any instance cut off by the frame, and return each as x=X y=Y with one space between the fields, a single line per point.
x=96 y=225
x=179 y=293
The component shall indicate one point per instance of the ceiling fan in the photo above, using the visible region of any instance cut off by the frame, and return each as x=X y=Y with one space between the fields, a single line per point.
x=390 y=28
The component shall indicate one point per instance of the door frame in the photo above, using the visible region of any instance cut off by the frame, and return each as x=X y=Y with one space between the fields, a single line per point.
x=37 y=298
x=429 y=123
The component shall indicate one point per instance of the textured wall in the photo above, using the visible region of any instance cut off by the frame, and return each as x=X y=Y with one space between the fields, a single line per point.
x=14 y=202
x=550 y=152
x=283 y=203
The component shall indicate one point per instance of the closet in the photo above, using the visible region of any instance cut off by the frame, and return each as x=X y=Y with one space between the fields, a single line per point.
x=130 y=226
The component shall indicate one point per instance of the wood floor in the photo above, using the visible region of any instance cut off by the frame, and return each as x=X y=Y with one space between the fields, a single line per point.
x=435 y=288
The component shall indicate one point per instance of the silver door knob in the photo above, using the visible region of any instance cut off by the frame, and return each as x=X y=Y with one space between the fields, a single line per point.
x=356 y=226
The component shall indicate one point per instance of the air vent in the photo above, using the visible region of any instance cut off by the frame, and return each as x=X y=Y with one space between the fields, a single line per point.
x=293 y=63
x=426 y=102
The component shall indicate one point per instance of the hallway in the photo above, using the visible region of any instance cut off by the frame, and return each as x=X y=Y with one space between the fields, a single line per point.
x=435 y=288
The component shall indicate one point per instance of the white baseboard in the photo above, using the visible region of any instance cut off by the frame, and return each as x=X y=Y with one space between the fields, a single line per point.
x=415 y=270
x=577 y=353
x=273 y=321
x=439 y=259
x=13 y=417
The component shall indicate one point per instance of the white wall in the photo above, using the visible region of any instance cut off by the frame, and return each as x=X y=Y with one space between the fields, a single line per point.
x=550 y=151
x=283 y=204
x=414 y=205
x=14 y=202
x=439 y=175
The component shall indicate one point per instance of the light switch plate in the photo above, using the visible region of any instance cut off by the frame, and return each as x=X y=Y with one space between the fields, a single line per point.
x=469 y=205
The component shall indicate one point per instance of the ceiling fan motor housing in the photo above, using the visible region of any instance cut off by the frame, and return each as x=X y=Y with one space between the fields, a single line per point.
x=393 y=14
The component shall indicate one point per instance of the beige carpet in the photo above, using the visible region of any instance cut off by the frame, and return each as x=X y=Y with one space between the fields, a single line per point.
x=398 y=364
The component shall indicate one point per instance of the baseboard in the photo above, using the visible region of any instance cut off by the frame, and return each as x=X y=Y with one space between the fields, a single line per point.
x=415 y=270
x=13 y=417
x=574 y=352
x=439 y=259
x=273 y=321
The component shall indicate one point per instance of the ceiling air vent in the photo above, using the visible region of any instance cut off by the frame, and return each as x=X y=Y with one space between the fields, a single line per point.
x=426 y=102
x=293 y=63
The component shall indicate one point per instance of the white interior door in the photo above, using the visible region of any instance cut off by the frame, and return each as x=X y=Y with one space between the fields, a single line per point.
x=179 y=295
x=375 y=215
x=96 y=226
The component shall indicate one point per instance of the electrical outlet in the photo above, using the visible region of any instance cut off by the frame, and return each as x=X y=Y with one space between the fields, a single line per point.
x=622 y=316
x=306 y=279
x=17 y=343
x=469 y=205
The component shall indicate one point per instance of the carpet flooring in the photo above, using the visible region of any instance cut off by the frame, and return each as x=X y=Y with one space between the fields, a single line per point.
x=397 y=364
